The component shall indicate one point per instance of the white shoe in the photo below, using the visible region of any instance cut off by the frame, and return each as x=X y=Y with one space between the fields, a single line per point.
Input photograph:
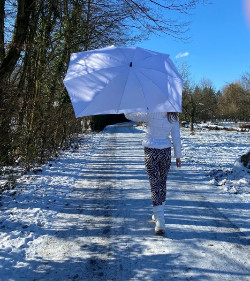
x=158 y=217
x=153 y=216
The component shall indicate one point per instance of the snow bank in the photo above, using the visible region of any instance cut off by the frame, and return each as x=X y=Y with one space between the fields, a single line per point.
x=218 y=153
x=235 y=180
x=226 y=126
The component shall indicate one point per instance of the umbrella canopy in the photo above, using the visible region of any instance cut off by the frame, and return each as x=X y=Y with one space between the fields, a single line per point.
x=117 y=80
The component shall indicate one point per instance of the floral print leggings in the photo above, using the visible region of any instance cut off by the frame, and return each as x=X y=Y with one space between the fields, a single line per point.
x=157 y=163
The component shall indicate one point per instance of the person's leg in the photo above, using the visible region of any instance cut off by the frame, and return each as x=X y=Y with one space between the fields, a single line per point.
x=164 y=166
x=157 y=163
x=152 y=156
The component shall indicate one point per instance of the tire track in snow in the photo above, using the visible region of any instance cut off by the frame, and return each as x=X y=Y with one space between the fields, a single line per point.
x=207 y=248
x=101 y=227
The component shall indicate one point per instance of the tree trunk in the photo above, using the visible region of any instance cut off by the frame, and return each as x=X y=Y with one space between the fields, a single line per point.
x=192 y=123
x=21 y=28
x=7 y=65
x=192 y=115
x=2 y=15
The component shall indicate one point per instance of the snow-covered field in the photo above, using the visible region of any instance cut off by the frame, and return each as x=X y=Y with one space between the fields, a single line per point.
x=86 y=216
x=228 y=126
x=218 y=154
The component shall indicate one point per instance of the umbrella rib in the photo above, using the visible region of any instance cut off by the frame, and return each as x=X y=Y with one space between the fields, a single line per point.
x=174 y=77
x=127 y=80
x=123 y=92
x=156 y=86
x=99 y=93
x=125 y=88
x=142 y=90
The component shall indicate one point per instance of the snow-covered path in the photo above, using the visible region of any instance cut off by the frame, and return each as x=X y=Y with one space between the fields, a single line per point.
x=88 y=217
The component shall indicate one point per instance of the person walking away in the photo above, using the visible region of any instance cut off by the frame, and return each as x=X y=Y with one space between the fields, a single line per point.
x=157 y=155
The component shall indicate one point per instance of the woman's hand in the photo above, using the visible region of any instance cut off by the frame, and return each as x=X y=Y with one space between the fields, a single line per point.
x=178 y=162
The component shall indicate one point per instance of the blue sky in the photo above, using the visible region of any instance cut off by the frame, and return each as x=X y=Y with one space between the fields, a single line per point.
x=219 y=47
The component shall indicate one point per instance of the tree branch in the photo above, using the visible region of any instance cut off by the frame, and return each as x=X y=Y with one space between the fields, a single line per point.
x=22 y=23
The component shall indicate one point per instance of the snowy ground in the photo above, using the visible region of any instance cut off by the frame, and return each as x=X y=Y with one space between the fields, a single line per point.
x=218 y=154
x=86 y=216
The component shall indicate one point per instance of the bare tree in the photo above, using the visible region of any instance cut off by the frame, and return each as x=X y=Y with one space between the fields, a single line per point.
x=9 y=61
x=245 y=81
x=2 y=15
x=234 y=102
x=36 y=116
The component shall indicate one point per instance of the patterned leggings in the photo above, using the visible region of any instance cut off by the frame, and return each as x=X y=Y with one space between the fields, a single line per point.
x=157 y=163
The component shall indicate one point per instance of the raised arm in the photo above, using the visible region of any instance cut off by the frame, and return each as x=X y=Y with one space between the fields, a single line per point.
x=137 y=116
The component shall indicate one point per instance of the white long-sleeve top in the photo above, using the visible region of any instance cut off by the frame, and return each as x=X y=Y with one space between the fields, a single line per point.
x=159 y=130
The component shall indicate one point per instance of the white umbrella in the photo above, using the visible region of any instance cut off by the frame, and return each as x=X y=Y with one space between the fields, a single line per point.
x=117 y=80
